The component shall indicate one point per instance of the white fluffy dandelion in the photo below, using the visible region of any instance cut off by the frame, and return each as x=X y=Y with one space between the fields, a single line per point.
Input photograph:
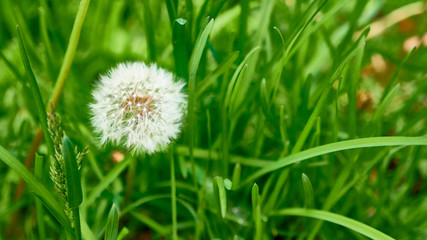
x=138 y=106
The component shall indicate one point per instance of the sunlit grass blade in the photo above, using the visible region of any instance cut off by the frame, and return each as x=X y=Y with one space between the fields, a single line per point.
x=237 y=171
x=123 y=233
x=334 y=147
x=337 y=219
x=37 y=188
x=112 y=227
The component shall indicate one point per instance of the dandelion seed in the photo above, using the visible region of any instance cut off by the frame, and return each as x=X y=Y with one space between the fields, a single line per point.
x=138 y=106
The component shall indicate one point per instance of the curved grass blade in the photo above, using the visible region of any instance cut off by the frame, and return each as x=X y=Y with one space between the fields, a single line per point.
x=112 y=228
x=335 y=147
x=337 y=219
x=37 y=188
x=308 y=192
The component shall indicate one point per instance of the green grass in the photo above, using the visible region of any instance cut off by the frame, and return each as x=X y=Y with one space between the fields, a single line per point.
x=306 y=120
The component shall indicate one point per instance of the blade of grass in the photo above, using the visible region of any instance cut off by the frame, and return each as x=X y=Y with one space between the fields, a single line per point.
x=219 y=189
x=172 y=7
x=38 y=171
x=123 y=233
x=308 y=192
x=74 y=185
x=41 y=111
x=159 y=228
x=193 y=66
x=112 y=227
x=337 y=219
x=149 y=30
x=256 y=212
x=180 y=48
x=37 y=188
x=335 y=147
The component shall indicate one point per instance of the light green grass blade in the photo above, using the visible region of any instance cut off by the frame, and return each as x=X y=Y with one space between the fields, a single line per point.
x=335 y=147
x=219 y=190
x=112 y=227
x=337 y=219
x=123 y=233
x=308 y=192
x=37 y=188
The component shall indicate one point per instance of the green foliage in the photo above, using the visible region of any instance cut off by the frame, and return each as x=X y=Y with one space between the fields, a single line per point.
x=306 y=120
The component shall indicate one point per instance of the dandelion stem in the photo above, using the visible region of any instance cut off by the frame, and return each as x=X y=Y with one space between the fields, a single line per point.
x=173 y=197
x=130 y=179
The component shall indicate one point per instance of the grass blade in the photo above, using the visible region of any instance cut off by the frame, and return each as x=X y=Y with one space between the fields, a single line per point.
x=180 y=48
x=72 y=174
x=335 y=147
x=112 y=227
x=38 y=171
x=337 y=219
x=308 y=192
x=35 y=91
x=256 y=211
x=193 y=66
x=222 y=196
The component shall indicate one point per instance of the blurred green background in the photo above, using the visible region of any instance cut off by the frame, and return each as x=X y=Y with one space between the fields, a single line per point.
x=391 y=195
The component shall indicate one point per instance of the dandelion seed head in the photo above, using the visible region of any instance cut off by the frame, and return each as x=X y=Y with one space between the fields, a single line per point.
x=138 y=106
